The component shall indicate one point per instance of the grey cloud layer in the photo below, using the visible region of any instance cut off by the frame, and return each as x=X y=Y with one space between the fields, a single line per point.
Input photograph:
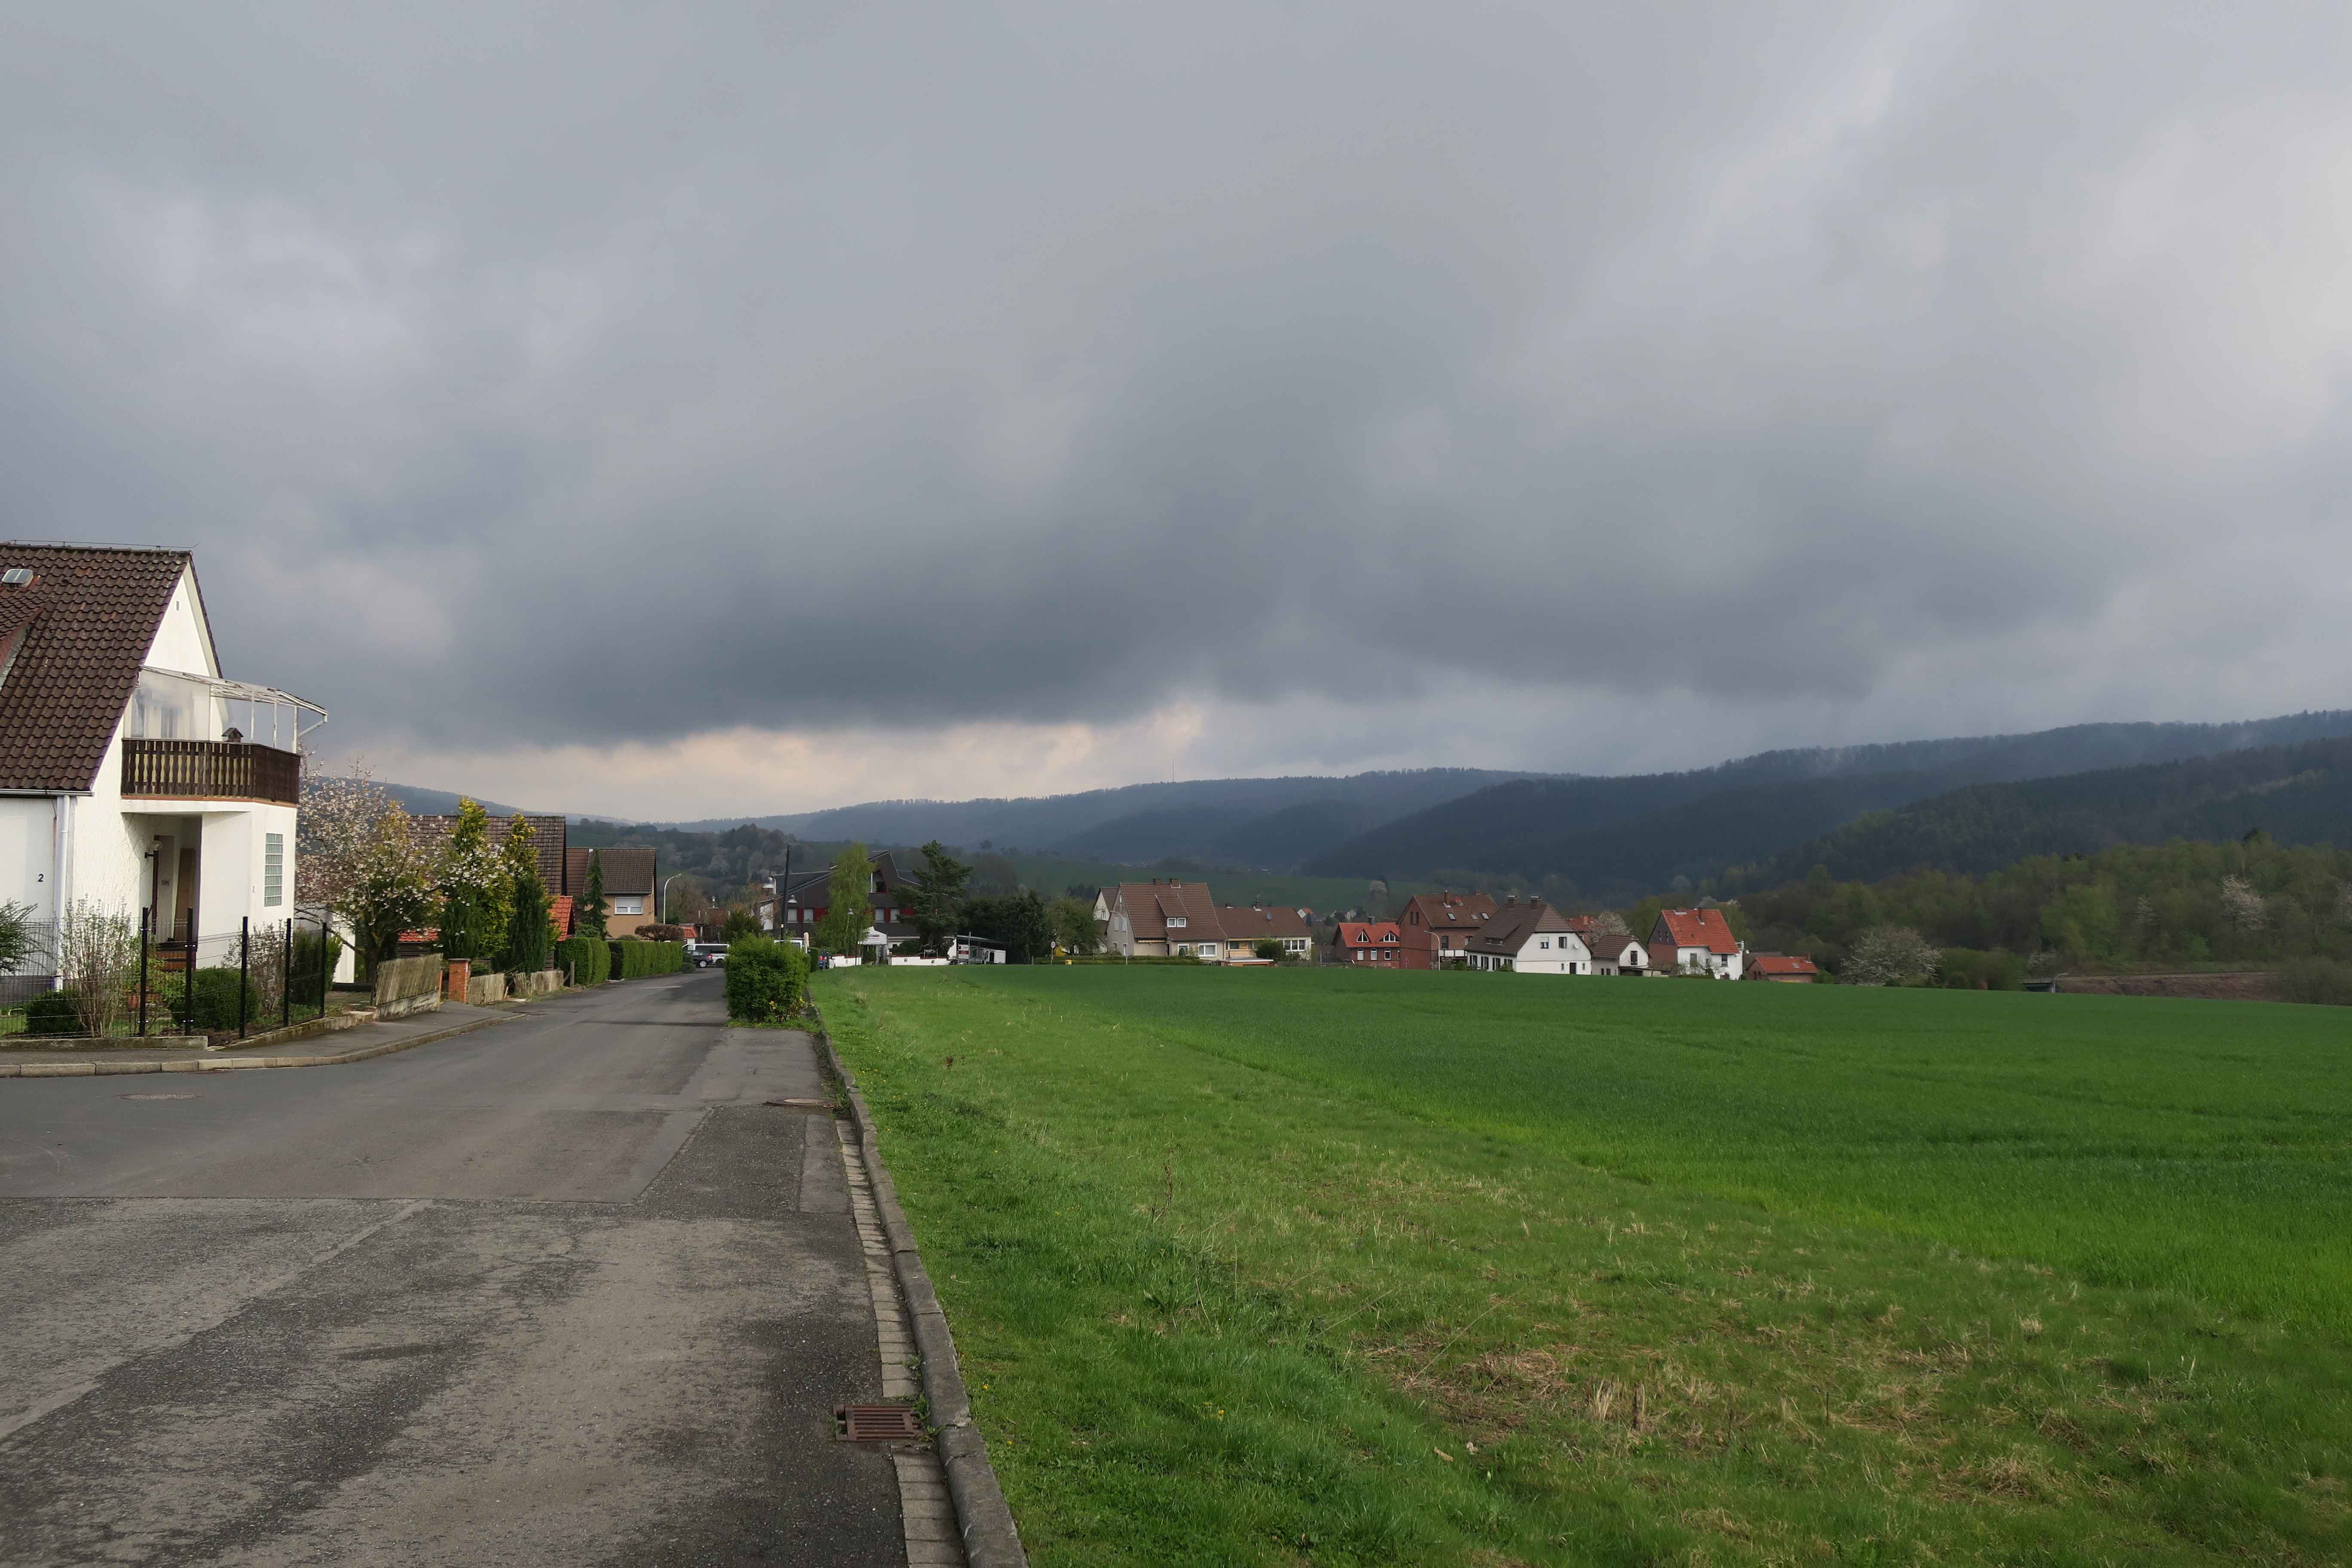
x=917 y=363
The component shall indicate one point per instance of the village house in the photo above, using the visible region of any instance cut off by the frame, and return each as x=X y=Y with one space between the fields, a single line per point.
x=632 y=885
x=1782 y=969
x=1696 y=940
x=1367 y=944
x=1164 y=918
x=1244 y=929
x=1530 y=939
x=1437 y=927
x=797 y=901
x=135 y=779
x=1615 y=953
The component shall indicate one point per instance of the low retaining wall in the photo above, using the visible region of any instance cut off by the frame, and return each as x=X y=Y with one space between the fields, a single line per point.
x=541 y=982
x=405 y=985
x=484 y=989
x=2239 y=987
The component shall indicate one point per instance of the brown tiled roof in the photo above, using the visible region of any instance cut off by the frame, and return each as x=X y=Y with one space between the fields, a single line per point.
x=1256 y=923
x=1149 y=906
x=88 y=618
x=1513 y=923
x=1609 y=946
x=626 y=870
x=429 y=833
x=1447 y=911
x=1698 y=928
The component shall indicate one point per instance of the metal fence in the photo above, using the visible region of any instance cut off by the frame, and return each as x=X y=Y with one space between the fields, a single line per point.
x=259 y=975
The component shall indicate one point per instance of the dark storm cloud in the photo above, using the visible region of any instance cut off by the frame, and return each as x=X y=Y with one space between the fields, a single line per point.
x=639 y=373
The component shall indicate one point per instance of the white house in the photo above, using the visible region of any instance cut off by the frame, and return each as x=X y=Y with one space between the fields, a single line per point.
x=1613 y=952
x=133 y=777
x=1530 y=939
x=1698 y=941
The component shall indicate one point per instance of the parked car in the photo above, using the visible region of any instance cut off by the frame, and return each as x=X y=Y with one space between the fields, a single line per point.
x=706 y=954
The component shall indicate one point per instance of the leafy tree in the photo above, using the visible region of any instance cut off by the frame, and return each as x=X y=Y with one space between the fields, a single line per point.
x=742 y=922
x=2083 y=921
x=1889 y=955
x=589 y=915
x=1266 y=947
x=390 y=890
x=530 y=930
x=1019 y=922
x=1075 y=931
x=934 y=901
x=848 y=902
x=477 y=886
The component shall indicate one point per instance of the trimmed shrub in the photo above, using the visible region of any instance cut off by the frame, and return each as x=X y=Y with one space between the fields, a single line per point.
x=587 y=960
x=766 y=979
x=661 y=934
x=52 y=1013
x=632 y=959
x=208 y=1002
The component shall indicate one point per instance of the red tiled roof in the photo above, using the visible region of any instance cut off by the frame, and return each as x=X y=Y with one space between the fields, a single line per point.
x=1769 y=963
x=88 y=618
x=1699 y=928
x=1368 y=933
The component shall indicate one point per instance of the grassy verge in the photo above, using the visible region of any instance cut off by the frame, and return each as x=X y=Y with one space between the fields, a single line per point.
x=1296 y=1267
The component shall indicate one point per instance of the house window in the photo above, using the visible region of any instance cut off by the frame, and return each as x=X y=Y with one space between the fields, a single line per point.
x=1175 y=920
x=273 y=868
x=629 y=904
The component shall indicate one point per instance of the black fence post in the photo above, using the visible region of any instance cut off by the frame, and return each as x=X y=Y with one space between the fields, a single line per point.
x=146 y=929
x=326 y=968
x=286 y=976
x=243 y=969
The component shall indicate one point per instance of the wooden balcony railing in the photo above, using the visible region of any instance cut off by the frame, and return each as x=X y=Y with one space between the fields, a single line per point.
x=210 y=770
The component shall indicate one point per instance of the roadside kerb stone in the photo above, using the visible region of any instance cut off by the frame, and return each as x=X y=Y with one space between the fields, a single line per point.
x=232 y=1064
x=990 y=1539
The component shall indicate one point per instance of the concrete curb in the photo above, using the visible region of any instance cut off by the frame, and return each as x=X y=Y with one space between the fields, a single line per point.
x=229 y=1063
x=990 y=1539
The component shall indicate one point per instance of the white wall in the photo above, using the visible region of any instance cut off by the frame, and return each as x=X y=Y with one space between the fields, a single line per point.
x=28 y=827
x=183 y=640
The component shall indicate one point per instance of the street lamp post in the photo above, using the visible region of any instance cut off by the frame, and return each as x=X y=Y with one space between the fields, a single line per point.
x=673 y=877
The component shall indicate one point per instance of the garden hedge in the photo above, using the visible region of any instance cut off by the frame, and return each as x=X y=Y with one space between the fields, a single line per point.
x=586 y=959
x=635 y=960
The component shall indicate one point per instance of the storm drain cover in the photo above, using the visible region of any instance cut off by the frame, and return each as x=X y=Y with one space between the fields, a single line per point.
x=796 y=1103
x=875 y=1423
x=154 y=1097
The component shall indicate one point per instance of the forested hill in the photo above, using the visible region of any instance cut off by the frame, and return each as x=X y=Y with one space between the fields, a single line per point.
x=1273 y=822
x=1615 y=839
x=2296 y=794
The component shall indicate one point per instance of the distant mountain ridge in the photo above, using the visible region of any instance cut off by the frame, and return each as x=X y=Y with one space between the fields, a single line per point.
x=1197 y=818
x=2296 y=794
x=1616 y=840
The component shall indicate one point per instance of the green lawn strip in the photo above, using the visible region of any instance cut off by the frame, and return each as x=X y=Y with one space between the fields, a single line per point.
x=1212 y=1311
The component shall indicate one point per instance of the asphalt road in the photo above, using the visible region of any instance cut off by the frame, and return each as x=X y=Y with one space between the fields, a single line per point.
x=562 y=1291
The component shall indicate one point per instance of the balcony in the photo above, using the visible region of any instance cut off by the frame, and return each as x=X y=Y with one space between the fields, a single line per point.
x=210 y=770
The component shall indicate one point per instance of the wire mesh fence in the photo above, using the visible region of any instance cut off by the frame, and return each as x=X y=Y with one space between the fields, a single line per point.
x=102 y=976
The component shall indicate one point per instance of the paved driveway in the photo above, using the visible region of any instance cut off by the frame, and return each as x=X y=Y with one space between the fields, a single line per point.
x=560 y=1290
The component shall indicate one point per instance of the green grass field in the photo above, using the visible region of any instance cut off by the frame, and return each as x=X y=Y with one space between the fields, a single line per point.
x=1288 y=1267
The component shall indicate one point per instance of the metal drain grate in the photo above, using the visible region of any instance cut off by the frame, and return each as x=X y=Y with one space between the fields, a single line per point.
x=875 y=1423
x=795 y=1102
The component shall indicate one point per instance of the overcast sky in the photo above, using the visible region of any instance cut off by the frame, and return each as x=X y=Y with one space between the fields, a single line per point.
x=683 y=410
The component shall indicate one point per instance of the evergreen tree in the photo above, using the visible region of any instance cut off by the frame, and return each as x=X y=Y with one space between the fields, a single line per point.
x=588 y=916
x=530 y=935
x=934 y=901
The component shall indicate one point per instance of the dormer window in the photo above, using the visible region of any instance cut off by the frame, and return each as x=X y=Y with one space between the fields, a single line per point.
x=1176 y=921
